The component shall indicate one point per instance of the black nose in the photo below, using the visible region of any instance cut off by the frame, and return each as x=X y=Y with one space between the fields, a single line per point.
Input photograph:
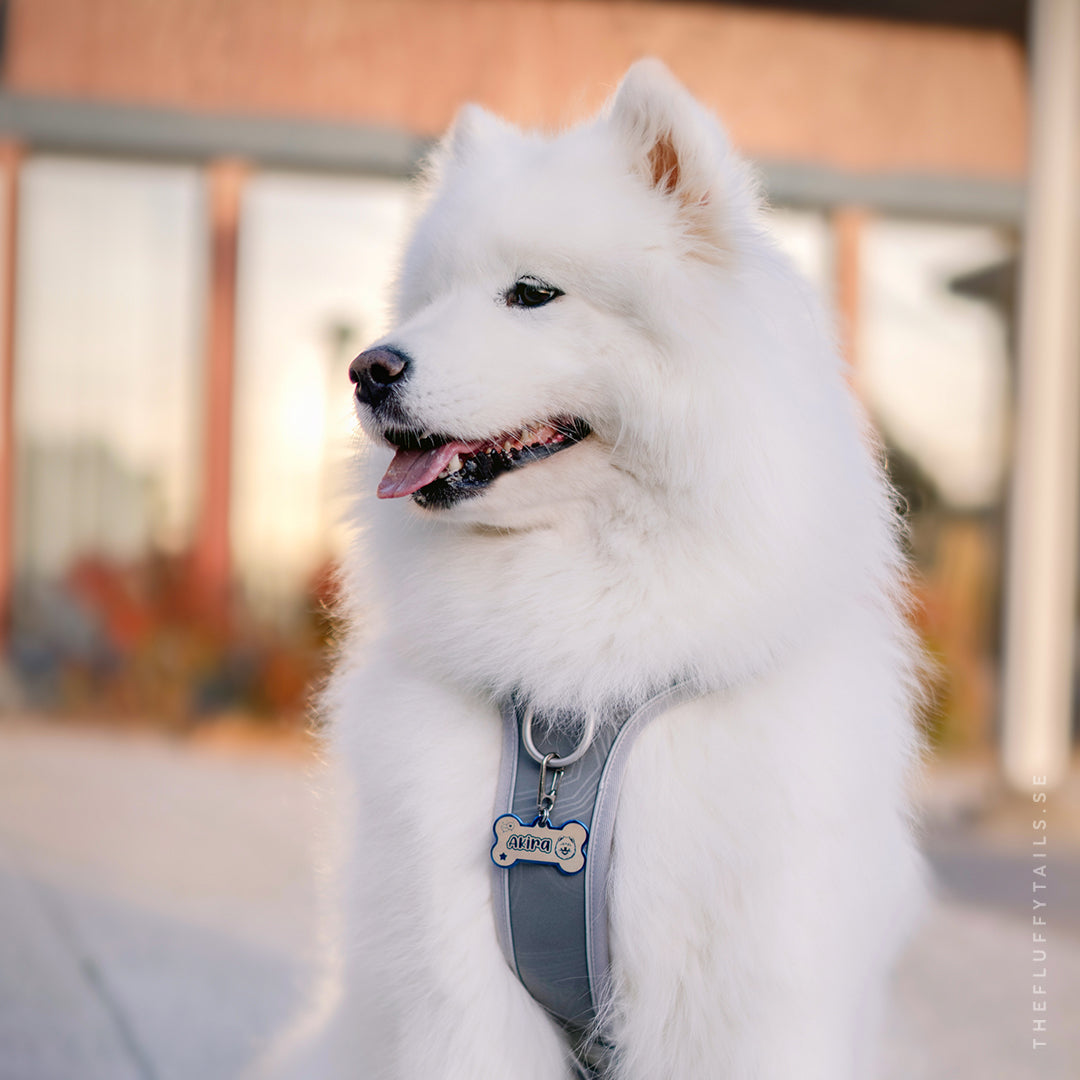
x=376 y=372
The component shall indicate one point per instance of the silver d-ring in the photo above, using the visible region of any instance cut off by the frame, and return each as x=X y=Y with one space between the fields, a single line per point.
x=556 y=762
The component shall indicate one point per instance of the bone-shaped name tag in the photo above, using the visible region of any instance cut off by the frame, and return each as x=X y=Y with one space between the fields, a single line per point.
x=563 y=847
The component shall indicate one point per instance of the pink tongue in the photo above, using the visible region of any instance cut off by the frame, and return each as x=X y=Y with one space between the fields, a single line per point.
x=413 y=469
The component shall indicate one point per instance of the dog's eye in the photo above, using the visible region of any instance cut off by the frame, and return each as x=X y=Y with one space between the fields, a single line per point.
x=531 y=292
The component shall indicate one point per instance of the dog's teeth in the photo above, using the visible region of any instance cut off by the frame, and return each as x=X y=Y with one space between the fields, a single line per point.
x=454 y=463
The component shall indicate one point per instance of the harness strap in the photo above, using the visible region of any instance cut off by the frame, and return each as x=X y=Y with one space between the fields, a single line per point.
x=553 y=927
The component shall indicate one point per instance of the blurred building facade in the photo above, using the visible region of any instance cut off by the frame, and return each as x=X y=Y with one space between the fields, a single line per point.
x=202 y=205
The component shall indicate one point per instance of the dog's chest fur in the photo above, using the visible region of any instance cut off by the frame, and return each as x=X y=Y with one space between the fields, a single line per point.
x=735 y=807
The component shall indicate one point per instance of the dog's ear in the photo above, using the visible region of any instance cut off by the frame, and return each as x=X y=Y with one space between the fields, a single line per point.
x=472 y=127
x=677 y=147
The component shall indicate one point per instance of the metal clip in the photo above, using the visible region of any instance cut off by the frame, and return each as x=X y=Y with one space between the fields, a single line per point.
x=560 y=762
x=545 y=798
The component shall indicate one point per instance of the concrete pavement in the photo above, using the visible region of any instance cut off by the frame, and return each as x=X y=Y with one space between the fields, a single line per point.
x=156 y=906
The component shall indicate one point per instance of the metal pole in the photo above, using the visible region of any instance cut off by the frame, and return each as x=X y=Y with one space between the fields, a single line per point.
x=1045 y=499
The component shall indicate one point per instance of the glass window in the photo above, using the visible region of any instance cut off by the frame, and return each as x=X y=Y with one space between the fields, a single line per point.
x=805 y=237
x=933 y=362
x=317 y=256
x=111 y=265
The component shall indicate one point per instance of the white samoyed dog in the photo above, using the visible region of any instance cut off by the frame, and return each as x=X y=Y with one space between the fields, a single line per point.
x=618 y=451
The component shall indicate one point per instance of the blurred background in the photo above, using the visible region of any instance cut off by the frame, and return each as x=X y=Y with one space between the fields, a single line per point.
x=201 y=205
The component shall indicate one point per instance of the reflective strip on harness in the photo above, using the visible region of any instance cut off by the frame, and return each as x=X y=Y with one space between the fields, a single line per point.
x=553 y=927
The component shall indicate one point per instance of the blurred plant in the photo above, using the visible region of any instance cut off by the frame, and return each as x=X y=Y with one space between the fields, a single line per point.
x=135 y=642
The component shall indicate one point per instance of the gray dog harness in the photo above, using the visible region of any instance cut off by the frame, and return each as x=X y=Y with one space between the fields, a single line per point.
x=550 y=881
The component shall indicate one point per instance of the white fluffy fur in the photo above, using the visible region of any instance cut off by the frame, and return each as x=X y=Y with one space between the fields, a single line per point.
x=727 y=521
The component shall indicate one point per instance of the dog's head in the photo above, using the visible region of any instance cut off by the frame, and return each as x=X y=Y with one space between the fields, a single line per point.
x=601 y=359
x=543 y=303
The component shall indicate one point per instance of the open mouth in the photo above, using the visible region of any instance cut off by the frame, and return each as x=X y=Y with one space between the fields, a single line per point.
x=439 y=470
